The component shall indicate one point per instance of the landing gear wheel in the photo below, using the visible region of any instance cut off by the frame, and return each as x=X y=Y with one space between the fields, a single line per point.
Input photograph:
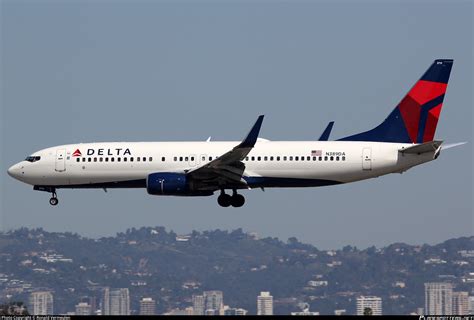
x=53 y=201
x=224 y=200
x=238 y=200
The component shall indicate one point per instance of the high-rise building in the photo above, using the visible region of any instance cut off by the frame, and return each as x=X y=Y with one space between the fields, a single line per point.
x=364 y=303
x=438 y=298
x=198 y=305
x=41 y=303
x=265 y=304
x=116 y=302
x=214 y=300
x=147 y=307
x=461 y=303
x=471 y=304
x=83 y=309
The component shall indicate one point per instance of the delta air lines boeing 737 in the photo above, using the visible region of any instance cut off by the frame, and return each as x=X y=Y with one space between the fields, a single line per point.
x=403 y=140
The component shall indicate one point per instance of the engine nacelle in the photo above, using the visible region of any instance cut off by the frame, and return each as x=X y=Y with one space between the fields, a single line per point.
x=167 y=183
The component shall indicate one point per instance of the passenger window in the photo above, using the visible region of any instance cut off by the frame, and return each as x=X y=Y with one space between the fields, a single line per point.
x=343 y=158
x=83 y=159
x=265 y=158
x=119 y=159
x=271 y=158
x=175 y=158
x=95 y=159
x=296 y=158
x=314 y=158
x=186 y=159
x=302 y=158
x=89 y=159
x=291 y=158
x=210 y=158
x=144 y=159
x=163 y=159
x=78 y=159
x=253 y=158
x=320 y=158
x=337 y=158
x=125 y=159
x=259 y=158
x=192 y=158
x=284 y=158
x=131 y=159
x=101 y=159
x=278 y=158
x=308 y=158
x=326 y=158
x=332 y=158
x=112 y=159
x=138 y=159
x=106 y=159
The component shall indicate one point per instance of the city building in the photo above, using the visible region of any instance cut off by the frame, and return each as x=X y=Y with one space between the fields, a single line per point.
x=234 y=311
x=214 y=302
x=83 y=309
x=461 y=303
x=265 y=304
x=339 y=312
x=198 y=305
x=438 y=298
x=364 y=303
x=147 y=307
x=471 y=304
x=116 y=302
x=305 y=313
x=41 y=303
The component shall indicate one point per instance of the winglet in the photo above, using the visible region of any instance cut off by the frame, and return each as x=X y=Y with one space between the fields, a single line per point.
x=251 y=138
x=325 y=135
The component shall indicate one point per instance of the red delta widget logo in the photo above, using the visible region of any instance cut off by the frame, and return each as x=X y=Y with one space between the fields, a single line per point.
x=103 y=152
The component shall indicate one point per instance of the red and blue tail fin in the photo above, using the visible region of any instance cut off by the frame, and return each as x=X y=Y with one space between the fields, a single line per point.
x=415 y=118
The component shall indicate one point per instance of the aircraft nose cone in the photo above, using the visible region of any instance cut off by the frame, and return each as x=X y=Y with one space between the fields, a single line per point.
x=13 y=171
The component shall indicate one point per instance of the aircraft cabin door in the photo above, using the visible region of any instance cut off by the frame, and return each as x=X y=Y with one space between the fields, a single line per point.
x=367 y=158
x=60 y=160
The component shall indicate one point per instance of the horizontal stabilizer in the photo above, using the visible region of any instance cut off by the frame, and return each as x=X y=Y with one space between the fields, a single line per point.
x=452 y=145
x=430 y=146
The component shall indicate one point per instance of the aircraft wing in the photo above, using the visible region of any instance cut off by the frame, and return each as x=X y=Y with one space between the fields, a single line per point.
x=226 y=171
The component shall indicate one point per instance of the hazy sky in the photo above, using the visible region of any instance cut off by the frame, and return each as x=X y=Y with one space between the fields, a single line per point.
x=85 y=71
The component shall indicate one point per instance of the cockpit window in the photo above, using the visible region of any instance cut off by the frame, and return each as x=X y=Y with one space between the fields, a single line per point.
x=33 y=158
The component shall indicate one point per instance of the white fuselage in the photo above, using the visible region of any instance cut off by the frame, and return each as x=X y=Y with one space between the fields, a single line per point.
x=269 y=163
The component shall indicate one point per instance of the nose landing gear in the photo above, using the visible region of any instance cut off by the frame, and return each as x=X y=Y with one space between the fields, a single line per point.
x=54 y=197
x=225 y=200
x=53 y=201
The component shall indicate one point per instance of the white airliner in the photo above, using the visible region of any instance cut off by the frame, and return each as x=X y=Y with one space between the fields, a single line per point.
x=403 y=140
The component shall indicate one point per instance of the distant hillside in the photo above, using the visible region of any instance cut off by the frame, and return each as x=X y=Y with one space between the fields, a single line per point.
x=171 y=268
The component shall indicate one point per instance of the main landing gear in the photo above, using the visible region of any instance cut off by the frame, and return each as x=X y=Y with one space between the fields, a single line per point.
x=226 y=200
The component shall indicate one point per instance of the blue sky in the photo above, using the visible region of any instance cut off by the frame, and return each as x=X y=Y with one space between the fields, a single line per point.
x=85 y=71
